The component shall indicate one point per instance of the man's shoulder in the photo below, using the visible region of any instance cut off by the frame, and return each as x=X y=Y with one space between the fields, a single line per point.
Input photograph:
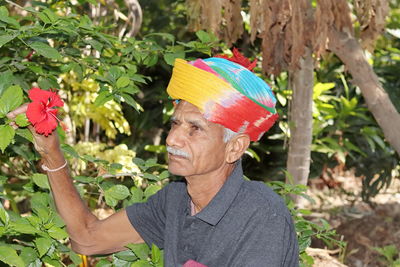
x=263 y=198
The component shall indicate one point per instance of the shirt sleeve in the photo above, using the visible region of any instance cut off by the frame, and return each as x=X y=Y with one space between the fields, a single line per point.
x=149 y=218
x=269 y=241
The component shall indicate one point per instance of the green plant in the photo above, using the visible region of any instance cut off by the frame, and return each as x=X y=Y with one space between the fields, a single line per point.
x=390 y=255
x=306 y=229
x=39 y=236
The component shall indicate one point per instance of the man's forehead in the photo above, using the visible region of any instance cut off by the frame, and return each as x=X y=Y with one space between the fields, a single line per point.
x=187 y=111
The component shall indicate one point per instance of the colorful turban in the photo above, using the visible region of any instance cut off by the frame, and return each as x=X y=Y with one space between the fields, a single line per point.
x=226 y=93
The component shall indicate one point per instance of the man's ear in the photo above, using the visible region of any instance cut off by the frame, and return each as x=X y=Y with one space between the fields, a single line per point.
x=236 y=147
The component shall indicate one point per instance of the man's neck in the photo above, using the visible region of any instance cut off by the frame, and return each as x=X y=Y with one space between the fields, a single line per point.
x=203 y=188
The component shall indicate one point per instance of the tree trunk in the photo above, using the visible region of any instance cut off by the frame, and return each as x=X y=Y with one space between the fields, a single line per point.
x=348 y=49
x=300 y=114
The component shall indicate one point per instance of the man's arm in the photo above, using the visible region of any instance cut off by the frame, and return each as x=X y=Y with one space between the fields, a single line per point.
x=88 y=234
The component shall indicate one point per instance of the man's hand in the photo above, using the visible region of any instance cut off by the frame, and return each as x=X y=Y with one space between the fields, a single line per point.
x=44 y=145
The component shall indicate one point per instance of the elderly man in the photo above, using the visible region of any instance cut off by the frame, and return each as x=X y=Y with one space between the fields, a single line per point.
x=214 y=216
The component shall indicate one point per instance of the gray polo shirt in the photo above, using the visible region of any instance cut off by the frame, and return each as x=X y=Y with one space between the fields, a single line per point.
x=245 y=224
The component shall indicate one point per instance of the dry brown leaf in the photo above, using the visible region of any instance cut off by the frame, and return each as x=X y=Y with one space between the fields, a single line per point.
x=211 y=15
x=324 y=18
x=222 y=17
x=194 y=14
x=342 y=16
x=287 y=29
x=256 y=18
x=372 y=18
x=233 y=20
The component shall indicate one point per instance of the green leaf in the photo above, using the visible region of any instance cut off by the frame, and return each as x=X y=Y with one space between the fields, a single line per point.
x=42 y=245
x=118 y=191
x=151 y=190
x=102 y=98
x=23 y=226
x=3 y=11
x=52 y=262
x=46 y=50
x=28 y=255
x=10 y=256
x=138 y=78
x=41 y=180
x=110 y=201
x=126 y=255
x=7 y=135
x=57 y=233
x=6 y=80
x=69 y=150
x=120 y=263
x=21 y=120
x=115 y=73
x=95 y=44
x=51 y=15
x=11 y=21
x=167 y=36
x=136 y=195
x=40 y=200
x=25 y=133
x=155 y=254
x=75 y=258
x=43 y=17
x=103 y=263
x=203 y=36
x=123 y=82
x=141 y=250
x=163 y=175
x=141 y=263
x=253 y=154
x=151 y=60
x=128 y=99
x=5 y=39
x=11 y=99
x=170 y=57
x=47 y=83
x=150 y=176
x=4 y=217
x=84 y=179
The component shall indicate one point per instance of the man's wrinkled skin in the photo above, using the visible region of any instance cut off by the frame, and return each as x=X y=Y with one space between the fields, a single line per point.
x=209 y=163
x=210 y=160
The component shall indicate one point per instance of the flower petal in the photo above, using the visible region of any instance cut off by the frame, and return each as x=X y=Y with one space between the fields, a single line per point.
x=37 y=94
x=36 y=112
x=46 y=126
x=55 y=100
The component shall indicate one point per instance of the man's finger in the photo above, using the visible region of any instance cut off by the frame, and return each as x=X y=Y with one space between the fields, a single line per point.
x=20 y=110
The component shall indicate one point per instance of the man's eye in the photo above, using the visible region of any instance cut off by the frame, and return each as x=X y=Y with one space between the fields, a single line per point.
x=195 y=127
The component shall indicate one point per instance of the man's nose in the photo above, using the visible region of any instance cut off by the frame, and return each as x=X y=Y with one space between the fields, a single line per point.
x=175 y=137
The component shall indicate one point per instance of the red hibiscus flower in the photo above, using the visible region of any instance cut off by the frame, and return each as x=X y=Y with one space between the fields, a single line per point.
x=42 y=112
x=240 y=59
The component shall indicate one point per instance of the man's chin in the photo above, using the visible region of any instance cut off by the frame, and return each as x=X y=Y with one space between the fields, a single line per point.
x=176 y=170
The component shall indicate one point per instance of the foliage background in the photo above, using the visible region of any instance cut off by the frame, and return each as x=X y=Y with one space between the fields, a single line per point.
x=117 y=113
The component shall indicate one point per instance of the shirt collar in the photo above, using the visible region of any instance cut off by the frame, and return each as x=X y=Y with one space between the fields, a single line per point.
x=218 y=206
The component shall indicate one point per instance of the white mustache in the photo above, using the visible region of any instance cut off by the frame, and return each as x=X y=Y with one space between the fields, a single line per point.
x=177 y=152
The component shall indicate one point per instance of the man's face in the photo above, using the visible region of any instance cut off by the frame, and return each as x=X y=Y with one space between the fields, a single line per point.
x=199 y=139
